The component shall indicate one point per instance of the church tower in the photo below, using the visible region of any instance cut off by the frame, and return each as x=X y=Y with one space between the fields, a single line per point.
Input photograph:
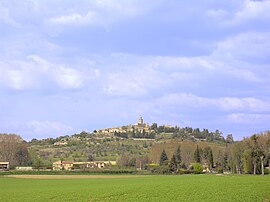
x=140 y=122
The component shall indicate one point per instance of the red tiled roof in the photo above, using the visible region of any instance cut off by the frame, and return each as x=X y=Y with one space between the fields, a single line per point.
x=67 y=162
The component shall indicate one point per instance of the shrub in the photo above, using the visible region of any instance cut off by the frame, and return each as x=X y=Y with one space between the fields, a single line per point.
x=185 y=171
x=220 y=170
x=197 y=167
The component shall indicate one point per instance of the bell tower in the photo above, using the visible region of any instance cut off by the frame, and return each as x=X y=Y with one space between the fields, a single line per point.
x=140 y=122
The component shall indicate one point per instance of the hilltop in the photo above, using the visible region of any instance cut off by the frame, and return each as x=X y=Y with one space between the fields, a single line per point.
x=134 y=140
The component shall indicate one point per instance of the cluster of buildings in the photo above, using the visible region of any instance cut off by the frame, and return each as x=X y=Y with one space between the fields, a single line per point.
x=70 y=165
x=64 y=165
x=140 y=126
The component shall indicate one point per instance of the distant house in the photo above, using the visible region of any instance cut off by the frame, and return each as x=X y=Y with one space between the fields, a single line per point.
x=60 y=143
x=23 y=168
x=62 y=165
x=57 y=165
x=206 y=168
x=69 y=165
x=4 y=165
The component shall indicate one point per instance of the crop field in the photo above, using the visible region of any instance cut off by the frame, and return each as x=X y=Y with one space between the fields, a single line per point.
x=135 y=188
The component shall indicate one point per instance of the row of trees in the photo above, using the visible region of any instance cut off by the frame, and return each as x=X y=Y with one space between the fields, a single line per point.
x=175 y=164
x=135 y=134
x=204 y=156
x=249 y=156
x=189 y=132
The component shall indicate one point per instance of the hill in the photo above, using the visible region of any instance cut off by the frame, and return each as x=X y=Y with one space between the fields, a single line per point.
x=127 y=144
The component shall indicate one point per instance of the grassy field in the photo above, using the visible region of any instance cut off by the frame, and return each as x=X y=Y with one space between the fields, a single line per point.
x=136 y=188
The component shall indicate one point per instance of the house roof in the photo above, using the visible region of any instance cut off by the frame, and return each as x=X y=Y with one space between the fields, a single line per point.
x=67 y=162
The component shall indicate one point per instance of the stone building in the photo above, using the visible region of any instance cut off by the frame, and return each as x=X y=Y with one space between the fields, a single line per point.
x=4 y=165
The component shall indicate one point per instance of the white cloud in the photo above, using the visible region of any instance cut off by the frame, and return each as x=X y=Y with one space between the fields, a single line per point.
x=76 y=18
x=245 y=46
x=243 y=104
x=5 y=16
x=183 y=100
x=68 y=78
x=132 y=82
x=251 y=10
x=48 y=127
x=102 y=12
x=137 y=75
x=37 y=73
x=218 y=14
x=243 y=118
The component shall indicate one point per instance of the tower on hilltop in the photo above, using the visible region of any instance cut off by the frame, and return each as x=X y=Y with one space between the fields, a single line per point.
x=140 y=122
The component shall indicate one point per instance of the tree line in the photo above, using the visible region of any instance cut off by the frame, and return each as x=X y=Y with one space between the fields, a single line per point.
x=249 y=156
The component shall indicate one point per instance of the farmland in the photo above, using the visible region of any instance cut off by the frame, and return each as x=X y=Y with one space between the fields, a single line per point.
x=136 y=188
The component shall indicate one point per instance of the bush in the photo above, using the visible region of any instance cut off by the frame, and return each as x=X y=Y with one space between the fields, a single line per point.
x=220 y=170
x=185 y=171
x=197 y=168
x=154 y=168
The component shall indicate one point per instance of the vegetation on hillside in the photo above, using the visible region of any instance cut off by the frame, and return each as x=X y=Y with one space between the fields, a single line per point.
x=167 y=153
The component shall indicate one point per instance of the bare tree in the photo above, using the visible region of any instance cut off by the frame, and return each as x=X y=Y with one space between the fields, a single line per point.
x=13 y=149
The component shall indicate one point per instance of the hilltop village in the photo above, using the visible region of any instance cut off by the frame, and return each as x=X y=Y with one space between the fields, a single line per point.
x=140 y=126
x=137 y=130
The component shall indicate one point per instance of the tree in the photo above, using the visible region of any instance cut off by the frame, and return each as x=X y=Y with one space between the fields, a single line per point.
x=208 y=156
x=163 y=157
x=173 y=164
x=247 y=161
x=127 y=161
x=22 y=155
x=225 y=161
x=229 y=138
x=154 y=126
x=141 y=162
x=197 y=155
x=255 y=152
x=264 y=148
x=13 y=149
x=237 y=156
x=90 y=157
x=178 y=158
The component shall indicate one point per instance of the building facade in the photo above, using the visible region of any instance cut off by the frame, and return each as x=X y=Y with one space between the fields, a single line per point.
x=4 y=166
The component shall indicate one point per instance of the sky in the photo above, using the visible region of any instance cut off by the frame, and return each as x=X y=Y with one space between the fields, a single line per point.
x=71 y=66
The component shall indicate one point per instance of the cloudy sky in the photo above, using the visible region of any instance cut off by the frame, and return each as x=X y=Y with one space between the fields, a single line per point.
x=68 y=66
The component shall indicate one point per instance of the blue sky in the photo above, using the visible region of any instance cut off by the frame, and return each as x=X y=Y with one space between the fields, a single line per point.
x=68 y=66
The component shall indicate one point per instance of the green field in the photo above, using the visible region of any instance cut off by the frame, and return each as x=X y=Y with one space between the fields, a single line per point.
x=139 y=188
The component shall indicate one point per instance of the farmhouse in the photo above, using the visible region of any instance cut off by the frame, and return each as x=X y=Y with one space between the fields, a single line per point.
x=60 y=143
x=70 y=165
x=4 y=165
x=24 y=168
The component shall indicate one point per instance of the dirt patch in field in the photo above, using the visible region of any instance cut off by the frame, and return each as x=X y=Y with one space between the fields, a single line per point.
x=72 y=176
